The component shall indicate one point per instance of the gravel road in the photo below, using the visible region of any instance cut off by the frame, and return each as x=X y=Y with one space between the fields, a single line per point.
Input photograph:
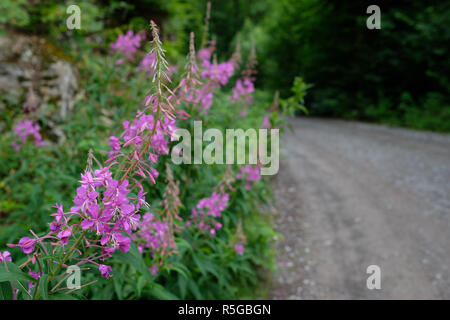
x=350 y=195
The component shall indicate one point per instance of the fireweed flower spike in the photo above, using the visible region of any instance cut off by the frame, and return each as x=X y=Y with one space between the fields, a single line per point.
x=266 y=123
x=156 y=233
x=32 y=103
x=250 y=174
x=244 y=88
x=104 y=216
x=206 y=214
x=236 y=57
x=239 y=240
x=188 y=88
x=226 y=181
x=28 y=128
x=206 y=25
x=161 y=77
x=214 y=74
x=24 y=130
x=171 y=204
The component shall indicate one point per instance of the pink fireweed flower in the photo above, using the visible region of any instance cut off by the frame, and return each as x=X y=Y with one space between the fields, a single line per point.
x=252 y=174
x=205 y=53
x=215 y=75
x=243 y=91
x=26 y=129
x=34 y=275
x=171 y=204
x=115 y=145
x=64 y=236
x=5 y=256
x=239 y=240
x=154 y=269
x=127 y=44
x=219 y=73
x=122 y=242
x=104 y=270
x=244 y=88
x=239 y=248
x=27 y=245
x=266 y=122
x=206 y=212
x=214 y=205
x=147 y=63
x=59 y=214
x=153 y=234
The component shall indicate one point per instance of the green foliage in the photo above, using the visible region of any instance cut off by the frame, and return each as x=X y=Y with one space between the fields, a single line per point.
x=297 y=100
x=357 y=72
x=14 y=13
x=34 y=178
x=360 y=73
x=49 y=17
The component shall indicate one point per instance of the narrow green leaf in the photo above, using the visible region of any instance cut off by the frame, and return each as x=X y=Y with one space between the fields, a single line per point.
x=161 y=293
x=13 y=274
x=5 y=291
x=43 y=287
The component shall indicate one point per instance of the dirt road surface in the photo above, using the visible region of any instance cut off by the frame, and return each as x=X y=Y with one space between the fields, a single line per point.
x=349 y=195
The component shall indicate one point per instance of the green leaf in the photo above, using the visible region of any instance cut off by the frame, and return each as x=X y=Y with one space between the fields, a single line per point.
x=194 y=289
x=182 y=284
x=134 y=259
x=117 y=288
x=161 y=293
x=140 y=285
x=43 y=287
x=5 y=291
x=13 y=274
x=62 y=296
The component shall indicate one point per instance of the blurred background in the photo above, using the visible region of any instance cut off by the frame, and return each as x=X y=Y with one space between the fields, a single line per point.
x=396 y=75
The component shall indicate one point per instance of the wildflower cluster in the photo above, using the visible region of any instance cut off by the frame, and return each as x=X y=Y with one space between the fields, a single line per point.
x=153 y=234
x=215 y=75
x=156 y=233
x=239 y=240
x=251 y=174
x=244 y=88
x=24 y=130
x=207 y=211
x=105 y=216
x=147 y=63
x=5 y=256
x=110 y=212
x=190 y=82
x=127 y=45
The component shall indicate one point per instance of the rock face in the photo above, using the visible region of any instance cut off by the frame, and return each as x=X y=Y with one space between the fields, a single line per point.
x=29 y=61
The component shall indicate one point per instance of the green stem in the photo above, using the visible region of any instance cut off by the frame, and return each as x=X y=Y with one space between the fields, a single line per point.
x=68 y=254
x=39 y=278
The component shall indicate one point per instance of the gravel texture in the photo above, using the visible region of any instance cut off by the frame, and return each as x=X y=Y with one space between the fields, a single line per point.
x=349 y=195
